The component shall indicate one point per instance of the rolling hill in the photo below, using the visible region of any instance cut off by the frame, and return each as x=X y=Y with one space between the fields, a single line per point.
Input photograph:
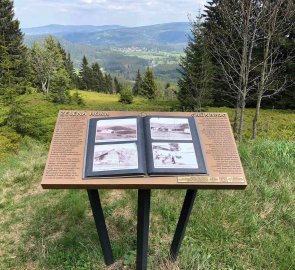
x=169 y=36
x=53 y=29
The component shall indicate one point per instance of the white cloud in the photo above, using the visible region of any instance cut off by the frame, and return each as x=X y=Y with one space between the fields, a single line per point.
x=98 y=12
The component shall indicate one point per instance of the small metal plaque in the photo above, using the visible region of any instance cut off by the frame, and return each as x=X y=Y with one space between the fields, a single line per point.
x=206 y=179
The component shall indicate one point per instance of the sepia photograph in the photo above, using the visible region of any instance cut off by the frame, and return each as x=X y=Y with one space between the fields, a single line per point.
x=116 y=130
x=111 y=157
x=170 y=129
x=174 y=155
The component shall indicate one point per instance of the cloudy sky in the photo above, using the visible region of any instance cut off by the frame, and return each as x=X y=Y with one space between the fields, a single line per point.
x=102 y=12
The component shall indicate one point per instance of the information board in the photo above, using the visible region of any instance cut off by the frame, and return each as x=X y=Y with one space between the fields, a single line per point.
x=67 y=154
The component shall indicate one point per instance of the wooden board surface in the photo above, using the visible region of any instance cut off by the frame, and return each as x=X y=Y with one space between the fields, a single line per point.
x=64 y=166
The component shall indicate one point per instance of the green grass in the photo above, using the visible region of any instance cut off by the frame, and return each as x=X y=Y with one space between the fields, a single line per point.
x=251 y=229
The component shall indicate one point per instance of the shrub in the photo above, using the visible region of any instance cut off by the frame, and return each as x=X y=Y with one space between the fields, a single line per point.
x=9 y=142
x=126 y=96
x=76 y=98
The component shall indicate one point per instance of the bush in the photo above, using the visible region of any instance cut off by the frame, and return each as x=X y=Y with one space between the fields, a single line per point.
x=9 y=142
x=126 y=96
x=76 y=98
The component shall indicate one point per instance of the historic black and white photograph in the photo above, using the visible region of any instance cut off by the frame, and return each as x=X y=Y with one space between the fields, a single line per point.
x=174 y=155
x=109 y=157
x=114 y=130
x=170 y=129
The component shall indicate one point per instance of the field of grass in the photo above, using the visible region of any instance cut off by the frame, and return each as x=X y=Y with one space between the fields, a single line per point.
x=251 y=229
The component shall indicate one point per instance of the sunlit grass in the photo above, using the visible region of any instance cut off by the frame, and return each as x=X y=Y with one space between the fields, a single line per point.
x=251 y=229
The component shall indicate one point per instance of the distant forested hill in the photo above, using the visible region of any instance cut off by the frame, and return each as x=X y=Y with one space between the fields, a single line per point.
x=169 y=36
x=53 y=29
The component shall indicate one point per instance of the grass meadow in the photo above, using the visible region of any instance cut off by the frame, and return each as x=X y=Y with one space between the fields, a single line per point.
x=54 y=229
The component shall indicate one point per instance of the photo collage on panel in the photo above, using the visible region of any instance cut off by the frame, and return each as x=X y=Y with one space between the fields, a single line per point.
x=115 y=145
x=172 y=144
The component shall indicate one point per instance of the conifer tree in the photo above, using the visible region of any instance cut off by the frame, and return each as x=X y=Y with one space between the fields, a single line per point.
x=13 y=53
x=111 y=88
x=138 y=84
x=118 y=86
x=66 y=56
x=85 y=75
x=195 y=84
x=71 y=71
x=98 y=78
x=149 y=86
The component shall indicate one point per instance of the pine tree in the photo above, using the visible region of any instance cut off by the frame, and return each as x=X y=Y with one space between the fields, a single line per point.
x=85 y=75
x=111 y=88
x=118 y=86
x=98 y=78
x=196 y=73
x=71 y=71
x=13 y=53
x=149 y=86
x=138 y=84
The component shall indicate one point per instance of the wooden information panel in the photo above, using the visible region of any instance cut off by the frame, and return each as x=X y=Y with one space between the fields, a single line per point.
x=65 y=163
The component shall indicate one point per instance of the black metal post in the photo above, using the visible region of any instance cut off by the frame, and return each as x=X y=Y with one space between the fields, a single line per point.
x=182 y=223
x=143 y=216
x=101 y=226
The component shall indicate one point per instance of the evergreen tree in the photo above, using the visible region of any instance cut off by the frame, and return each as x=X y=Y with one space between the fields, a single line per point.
x=196 y=72
x=69 y=66
x=108 y=84
x=98 y=78
x=118 y=86
x=71 y=71
x=86 y=75
x=138 y=84
x=13 y=53
x=149 y=86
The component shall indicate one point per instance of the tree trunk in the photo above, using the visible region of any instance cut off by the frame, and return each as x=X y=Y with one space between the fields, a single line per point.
x=236 y=116
x=256 y=117
x=43 y=84
x=242 y=116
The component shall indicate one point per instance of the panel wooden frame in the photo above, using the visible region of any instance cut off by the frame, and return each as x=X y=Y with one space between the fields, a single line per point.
x=64 y=171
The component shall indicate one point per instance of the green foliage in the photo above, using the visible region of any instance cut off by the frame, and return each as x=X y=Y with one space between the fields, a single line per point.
x=49 y=64
x=92 y=78
x=85 y=75
x=13 y=53
x=59 y=92
x=109 y=88
x=117 y=86
x=138 y=84
x=126 y=96
x=9 y=142
x=196 y=73
x=149 y=86
x=76 y=98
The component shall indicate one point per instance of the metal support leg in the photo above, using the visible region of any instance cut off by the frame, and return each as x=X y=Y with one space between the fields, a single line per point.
x=101 y=226
x=143 y=215
x=182 y=223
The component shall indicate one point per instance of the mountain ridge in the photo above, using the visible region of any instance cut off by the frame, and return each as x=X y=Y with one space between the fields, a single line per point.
x=168 y=35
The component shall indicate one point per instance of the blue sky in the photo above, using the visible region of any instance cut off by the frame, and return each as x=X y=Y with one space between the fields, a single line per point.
x=102 y=12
